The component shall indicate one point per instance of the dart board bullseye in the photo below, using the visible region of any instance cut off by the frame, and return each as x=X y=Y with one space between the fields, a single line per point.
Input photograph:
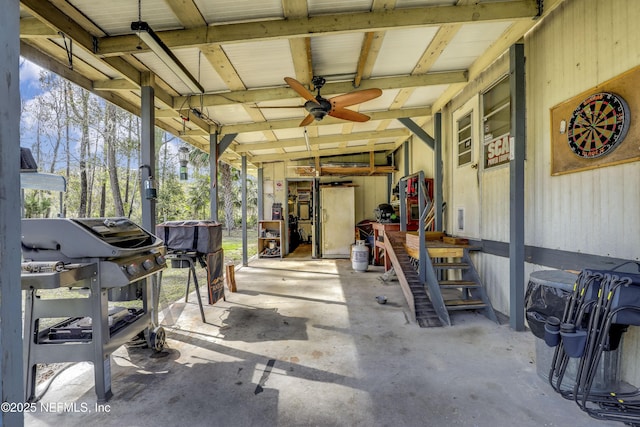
x=598 y=125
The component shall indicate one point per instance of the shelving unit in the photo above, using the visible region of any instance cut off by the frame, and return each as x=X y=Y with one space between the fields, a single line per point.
x=270 y=239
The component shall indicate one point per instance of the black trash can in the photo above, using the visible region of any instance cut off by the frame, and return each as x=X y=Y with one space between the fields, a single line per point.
x=548 y=292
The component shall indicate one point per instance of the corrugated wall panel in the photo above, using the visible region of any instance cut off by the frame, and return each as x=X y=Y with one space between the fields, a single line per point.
x=589 y=211
x=494 y=198
x=494 y=272
x=593 y=211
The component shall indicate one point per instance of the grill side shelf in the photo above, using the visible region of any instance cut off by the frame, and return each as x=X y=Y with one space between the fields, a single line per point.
x=55 y=279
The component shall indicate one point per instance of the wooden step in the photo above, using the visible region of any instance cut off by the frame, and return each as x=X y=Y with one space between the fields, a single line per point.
x=447 y=284
x=450 y=252
x=464 y=304
x=455 y=240
x=450 y=265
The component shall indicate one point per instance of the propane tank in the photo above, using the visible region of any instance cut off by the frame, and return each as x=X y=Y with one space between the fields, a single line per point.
x=359 y=256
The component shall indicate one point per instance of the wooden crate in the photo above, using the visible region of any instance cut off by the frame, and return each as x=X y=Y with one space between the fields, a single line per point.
x=455 y=240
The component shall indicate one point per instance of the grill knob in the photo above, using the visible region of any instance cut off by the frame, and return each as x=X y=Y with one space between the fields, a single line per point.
x=160 y=259
x=147 y=264
x=132 y=269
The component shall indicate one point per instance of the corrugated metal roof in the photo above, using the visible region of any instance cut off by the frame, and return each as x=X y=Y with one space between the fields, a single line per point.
x=241 y=50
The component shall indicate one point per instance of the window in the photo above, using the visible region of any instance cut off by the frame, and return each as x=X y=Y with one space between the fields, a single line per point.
x=464 y=140
x=496 y=116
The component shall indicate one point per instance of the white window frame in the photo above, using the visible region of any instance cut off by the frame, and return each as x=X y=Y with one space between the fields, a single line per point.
x=468 y=115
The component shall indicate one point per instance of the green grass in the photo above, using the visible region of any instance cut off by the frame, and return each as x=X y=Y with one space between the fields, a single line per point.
x=174 y=280
x=232 y=245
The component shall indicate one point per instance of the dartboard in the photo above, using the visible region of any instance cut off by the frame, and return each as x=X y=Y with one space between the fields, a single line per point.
x=598 y=125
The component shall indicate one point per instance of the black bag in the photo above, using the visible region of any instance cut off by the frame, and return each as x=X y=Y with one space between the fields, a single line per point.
x=202 y=237
x=215 y=276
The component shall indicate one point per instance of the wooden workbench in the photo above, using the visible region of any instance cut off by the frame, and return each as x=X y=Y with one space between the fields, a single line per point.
x=378 y=241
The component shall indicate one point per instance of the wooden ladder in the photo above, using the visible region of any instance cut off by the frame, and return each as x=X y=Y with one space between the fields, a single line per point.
x=453 y=282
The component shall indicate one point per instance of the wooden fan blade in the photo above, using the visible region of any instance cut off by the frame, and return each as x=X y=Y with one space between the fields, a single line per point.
x=302 y=91
x=345 y=114
x=353 y=98
x=306 y=120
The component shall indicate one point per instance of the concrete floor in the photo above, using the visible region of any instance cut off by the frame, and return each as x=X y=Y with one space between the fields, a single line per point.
x=304 y=343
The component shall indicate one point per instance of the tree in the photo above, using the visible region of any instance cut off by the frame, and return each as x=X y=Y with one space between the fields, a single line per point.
x=110 y=124
x=228 y=195
x=80 y=107
x=36 y=204
x=199 y=196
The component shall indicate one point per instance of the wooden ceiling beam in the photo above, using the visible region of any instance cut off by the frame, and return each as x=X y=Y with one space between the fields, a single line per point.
x=271 y=94
x=187 y=13
x=376 y=20
x=115 y=84
x=292 y=123
x=32 y=28
x=372 y=45
x=321 y=140
x=63 y=21
x=269 y=158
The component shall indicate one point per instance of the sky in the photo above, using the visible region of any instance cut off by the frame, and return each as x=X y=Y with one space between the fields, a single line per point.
x=30 y=89
x=29 y=83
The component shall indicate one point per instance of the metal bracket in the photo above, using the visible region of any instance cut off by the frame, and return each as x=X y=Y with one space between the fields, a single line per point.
x=540 y=9
x=68 y=48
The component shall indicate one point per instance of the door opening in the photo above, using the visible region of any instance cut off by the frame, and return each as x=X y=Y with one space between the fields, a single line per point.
x=300 y=218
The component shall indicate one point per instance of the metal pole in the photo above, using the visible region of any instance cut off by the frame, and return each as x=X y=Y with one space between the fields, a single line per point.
x=405 y=149
x=245 y=260
x=148 y=154
x=516 y=187
x=11 y=368
x=422 y=209
x=402 y=185
x=437 y=172
x=213 y=176
x=260 y=194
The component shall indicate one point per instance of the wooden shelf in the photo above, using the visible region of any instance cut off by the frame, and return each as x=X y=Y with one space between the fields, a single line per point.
x=270 y=238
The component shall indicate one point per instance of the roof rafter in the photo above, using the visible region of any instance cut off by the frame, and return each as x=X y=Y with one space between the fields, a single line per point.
x=326 y=24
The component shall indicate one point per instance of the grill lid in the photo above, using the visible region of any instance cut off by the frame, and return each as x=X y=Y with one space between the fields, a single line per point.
x=67 y=239
x=119 y=232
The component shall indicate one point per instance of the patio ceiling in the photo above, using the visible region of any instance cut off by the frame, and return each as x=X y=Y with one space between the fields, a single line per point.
x=419 y=52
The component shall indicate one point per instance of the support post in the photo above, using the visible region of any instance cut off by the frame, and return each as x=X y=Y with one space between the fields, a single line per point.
x=213 y=176
x=148 y=153
x=245 y=260
x=260 y=194
x=516 y=187
x=437 y=172
x=11 y=368
x=405 y=151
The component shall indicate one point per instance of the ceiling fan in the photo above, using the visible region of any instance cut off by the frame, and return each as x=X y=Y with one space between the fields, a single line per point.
x=318 y=107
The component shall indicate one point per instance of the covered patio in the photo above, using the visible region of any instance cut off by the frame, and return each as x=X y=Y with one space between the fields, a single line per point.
x=306 y=343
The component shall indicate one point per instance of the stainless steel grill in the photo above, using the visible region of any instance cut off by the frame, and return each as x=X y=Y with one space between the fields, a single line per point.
x=115 y=260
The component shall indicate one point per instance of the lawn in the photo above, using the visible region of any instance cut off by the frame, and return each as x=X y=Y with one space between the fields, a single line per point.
x=174 y=280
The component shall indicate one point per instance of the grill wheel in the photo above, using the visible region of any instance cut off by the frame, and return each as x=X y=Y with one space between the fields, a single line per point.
x=157 y=339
